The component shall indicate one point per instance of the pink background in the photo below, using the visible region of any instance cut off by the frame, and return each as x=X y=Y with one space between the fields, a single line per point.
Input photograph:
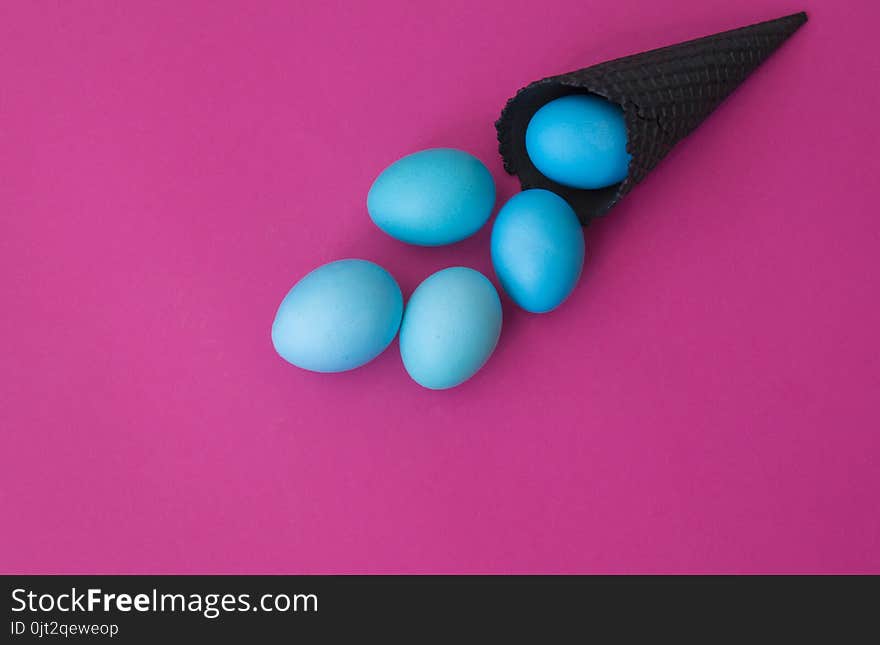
x=707 y=401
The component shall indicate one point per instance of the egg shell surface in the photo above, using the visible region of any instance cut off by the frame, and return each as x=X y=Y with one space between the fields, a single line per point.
x=432 y=197
x=338 y=317
x=450 y=327
x=537 y=249
x=579 y=141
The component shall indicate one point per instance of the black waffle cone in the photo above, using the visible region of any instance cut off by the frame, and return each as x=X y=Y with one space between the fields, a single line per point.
x=665 y=93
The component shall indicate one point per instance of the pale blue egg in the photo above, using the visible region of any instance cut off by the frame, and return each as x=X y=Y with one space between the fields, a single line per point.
x=450 y=328
x=432 y=197
x=338 y=317
x=537 y=249
x=579 y=141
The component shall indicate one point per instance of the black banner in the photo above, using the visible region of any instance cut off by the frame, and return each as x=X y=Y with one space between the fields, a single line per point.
x=240 y=608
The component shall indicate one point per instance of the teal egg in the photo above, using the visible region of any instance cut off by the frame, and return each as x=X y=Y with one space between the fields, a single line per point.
x=338 y=317
x=537 y=249
x=450 y=328
x=432 y=197
x=579 y=141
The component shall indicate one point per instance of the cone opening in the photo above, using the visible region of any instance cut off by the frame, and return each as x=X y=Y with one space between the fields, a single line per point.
x=512 y=135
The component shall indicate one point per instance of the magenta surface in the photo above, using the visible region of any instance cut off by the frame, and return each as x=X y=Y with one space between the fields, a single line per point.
x=708 y=399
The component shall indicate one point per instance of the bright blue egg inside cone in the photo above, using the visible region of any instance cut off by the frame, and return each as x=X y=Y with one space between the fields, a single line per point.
x=579 y=141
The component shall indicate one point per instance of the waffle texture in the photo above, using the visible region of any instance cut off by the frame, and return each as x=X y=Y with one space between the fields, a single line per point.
x=665 y=93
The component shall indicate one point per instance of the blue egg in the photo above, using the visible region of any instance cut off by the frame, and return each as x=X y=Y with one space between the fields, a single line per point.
x=432 y=197
x=450 y=328
x=579 y=141
x=338 y=317
x=537 y=249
